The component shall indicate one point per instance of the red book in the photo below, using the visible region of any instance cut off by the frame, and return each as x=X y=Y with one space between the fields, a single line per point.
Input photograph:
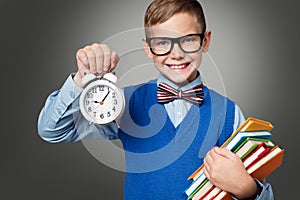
x=261 y=169
x=258 y=153
x=261 y=150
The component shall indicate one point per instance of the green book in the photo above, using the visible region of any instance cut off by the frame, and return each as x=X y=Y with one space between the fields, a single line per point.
x=249 y=144
x=243 y=135
x=198 y=188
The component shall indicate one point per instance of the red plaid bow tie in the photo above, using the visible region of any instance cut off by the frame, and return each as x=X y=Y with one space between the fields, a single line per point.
x=166 y=93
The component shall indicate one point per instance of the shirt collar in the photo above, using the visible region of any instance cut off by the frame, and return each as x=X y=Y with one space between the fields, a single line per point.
x=162 y=78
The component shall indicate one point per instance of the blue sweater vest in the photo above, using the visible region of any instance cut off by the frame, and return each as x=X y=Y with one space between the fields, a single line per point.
x=159 y=157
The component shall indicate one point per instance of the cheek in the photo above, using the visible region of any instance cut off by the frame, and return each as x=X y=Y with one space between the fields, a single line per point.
x=197 y=59
x=159 y=61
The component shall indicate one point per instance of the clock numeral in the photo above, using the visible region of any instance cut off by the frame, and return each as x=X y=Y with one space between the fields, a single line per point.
x=114 y=108
x=113 y=95
x=101 y=88
x=108 y=114
x=102 y=116
x=90 y=95
x=87 y=102
x=89 y=109
x=115 y=101
x=94 y=90
x=94 y=114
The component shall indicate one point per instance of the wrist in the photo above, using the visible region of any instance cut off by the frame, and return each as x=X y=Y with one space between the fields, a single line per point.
x=78 y=80
x=249 y=190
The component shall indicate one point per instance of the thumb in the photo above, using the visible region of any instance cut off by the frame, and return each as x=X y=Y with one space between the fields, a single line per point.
x=82 y=69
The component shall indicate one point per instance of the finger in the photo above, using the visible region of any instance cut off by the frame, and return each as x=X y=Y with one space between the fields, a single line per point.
x=114 y=60
x=82 y=69
x=208 y=160
x=224 y=153
x=91 y=58
x=82 y=63
x=98 y=57
x=205 y=171
x=106 y=57
x=82 y=57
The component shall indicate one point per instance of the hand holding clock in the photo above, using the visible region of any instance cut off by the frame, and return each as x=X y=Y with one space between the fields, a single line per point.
x=94 y=63
x=97 y=59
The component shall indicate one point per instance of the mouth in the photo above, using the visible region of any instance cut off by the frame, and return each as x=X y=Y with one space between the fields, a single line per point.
x=178 y=67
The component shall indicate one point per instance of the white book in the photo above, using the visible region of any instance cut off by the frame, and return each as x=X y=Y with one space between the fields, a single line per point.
x=241 y=136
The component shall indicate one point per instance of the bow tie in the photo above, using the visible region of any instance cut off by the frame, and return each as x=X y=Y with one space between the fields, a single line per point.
x=166 y=93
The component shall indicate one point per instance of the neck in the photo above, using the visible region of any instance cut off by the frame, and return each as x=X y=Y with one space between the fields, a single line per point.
x=188 y=81
x=185 y=85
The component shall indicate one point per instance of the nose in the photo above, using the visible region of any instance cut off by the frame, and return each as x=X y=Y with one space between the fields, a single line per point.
x=176 y=52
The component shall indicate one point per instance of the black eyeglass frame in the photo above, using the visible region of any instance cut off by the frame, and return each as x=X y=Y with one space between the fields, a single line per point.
x=177 y=41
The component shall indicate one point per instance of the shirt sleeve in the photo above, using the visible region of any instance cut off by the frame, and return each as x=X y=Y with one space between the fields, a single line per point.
x=266 y=191
x=238 y=117
x=60 y=120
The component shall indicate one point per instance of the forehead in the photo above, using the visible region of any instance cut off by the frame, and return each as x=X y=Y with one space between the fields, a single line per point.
x=178 y=25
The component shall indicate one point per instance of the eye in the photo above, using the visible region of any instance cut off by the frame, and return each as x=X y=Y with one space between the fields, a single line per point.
x=161 y=42
x=188 y=40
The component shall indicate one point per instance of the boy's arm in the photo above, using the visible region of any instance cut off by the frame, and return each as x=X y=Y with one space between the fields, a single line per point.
x=219 y=161
x=265 y=189
x=60 y=119
x=266 y=192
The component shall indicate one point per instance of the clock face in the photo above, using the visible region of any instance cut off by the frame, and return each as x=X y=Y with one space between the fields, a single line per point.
x=101 y=102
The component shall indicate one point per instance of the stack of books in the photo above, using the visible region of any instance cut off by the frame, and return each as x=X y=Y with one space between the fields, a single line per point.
x=260 y=156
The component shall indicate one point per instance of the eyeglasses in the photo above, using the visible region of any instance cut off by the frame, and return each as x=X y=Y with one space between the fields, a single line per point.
x=161 y=46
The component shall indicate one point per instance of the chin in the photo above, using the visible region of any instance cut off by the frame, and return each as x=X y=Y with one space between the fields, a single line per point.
x=180 y=81
x=183 y=78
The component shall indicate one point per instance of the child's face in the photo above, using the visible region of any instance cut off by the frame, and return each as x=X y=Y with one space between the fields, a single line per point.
x=178 y=66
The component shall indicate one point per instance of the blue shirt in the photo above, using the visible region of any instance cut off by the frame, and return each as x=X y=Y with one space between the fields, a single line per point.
x=61 y=109
x=178 y=108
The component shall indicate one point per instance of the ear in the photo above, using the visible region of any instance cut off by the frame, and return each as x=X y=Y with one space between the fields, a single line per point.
x=147 y=48
x=206 y=41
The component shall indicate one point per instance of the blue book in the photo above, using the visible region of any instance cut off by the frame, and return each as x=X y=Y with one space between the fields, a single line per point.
x=243 y=135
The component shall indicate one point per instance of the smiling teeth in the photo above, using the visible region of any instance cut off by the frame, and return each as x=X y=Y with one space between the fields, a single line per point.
x=177 y=66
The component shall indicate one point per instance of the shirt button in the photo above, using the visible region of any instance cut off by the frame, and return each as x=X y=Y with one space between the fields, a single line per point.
x=178 y=114
x=72 y=95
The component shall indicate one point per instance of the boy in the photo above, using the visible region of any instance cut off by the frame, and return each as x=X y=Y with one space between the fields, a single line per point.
x=176 y=37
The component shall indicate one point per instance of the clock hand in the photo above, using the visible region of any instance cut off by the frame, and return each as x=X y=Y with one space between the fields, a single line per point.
x=102 y=102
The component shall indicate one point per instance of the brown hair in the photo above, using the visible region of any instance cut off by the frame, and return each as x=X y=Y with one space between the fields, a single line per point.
x=160 y=11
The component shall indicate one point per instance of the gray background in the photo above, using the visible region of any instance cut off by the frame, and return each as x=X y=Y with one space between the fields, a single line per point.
x=255 y=46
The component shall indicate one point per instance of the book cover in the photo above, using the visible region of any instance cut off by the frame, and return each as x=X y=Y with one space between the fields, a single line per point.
x=246 y=147
x=250 y=124
x=261 y=169
x=249 y=144
x=212 y=194
x=261 y=150
x=197 y=189
x=243 y=135
x=267 y=164
x=204 y=190
x=195 y=184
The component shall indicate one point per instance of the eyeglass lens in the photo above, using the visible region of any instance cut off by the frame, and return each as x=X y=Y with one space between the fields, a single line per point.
x=163 y=45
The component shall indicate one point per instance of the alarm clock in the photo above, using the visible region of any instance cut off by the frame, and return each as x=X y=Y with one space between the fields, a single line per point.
x=101 y=101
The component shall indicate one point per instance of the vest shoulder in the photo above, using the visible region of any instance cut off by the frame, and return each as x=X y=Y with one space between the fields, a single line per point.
x=217 y=96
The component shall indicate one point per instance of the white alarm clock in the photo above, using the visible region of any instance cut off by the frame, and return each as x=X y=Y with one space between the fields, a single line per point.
x=101 y=101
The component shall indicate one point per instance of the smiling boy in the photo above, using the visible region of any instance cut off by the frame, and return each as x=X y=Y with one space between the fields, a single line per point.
x=175 y=39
